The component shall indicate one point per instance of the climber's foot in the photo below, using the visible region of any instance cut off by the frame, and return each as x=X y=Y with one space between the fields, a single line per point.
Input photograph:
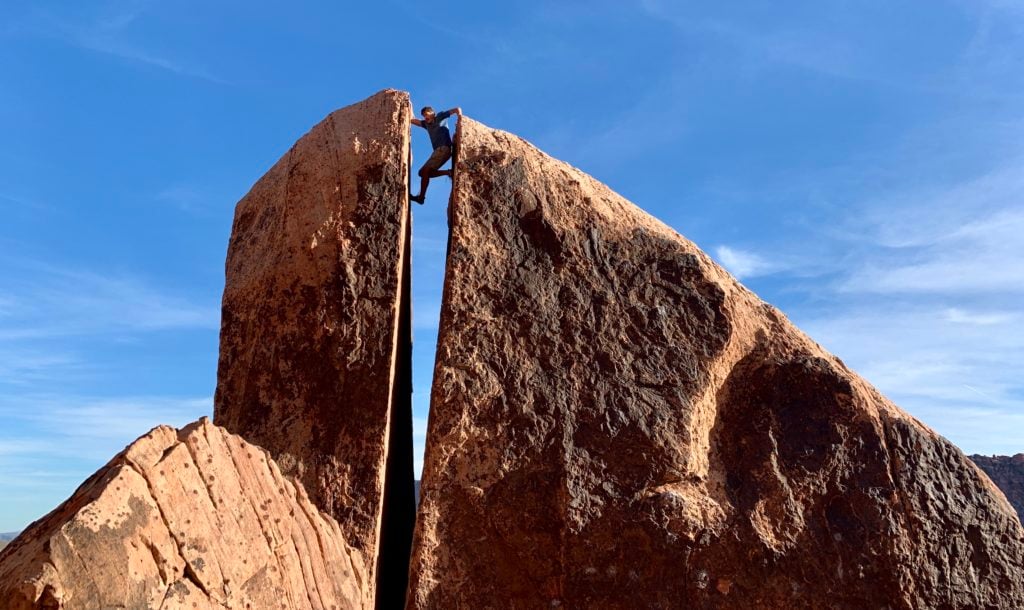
x=417 y=198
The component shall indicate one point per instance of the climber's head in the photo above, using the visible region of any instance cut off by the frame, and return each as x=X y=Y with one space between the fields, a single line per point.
x=428 y=113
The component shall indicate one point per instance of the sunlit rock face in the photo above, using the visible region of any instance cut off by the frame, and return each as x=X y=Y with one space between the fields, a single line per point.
x=617 y=423
x=190 y=518
x=314 y=342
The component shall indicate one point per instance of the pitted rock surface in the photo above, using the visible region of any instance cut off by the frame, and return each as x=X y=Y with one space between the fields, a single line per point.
x=196 y=518
x=310 y=316
x=618 y=423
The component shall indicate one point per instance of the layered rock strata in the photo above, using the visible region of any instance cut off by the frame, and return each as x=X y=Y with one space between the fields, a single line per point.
x=314 y=344
x=617 y=423
x=196 y=518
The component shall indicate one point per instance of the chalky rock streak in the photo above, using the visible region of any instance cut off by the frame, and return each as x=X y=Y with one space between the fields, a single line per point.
x=617 y=423
x=310 y=354
x=190 y=518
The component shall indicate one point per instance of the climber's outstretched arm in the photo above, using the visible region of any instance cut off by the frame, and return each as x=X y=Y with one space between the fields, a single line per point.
x=417 y=122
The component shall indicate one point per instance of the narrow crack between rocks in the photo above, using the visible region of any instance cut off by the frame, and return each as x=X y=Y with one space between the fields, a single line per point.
x=399 y=511
x=398 y=514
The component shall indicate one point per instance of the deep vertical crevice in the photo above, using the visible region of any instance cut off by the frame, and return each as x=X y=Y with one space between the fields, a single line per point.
x=398 y=515
x=456 y=179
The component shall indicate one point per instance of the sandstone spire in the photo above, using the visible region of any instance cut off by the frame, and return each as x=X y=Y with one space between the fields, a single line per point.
x=195 y=518
x=314 y=344
x=618 y=423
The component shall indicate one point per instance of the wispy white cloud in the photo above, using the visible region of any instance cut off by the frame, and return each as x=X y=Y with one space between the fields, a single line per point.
x=105 y=31
x=43 y=300
x=960 y=316
x=966 y=241
x=28 y=366
x=105 y=44
x=924 y=293
x=50 y=443
x=47 y=310
x=95 y=426
x=818 y=50
x=857 y=42
x=935 y=362
x=743 y=263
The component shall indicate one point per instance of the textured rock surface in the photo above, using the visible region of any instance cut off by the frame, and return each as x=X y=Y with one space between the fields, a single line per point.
x=310 y=355
x=1008 y=475
x=617 y=423
x=196 y=518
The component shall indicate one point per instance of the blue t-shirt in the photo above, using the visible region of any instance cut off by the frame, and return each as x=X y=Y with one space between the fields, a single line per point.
x=438 y=130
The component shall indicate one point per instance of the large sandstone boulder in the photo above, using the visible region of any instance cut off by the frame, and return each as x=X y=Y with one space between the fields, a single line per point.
x=315 y=338
x=617 y=423
x=1008 y=474
x=196 y=518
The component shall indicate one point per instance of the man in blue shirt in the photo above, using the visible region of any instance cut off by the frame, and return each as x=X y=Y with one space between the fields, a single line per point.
x=441 y=139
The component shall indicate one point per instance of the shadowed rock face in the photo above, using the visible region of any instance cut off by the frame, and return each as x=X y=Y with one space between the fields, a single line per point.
x=310 y=353
x=195 y=518
x=1008 y=474
x=617 y=423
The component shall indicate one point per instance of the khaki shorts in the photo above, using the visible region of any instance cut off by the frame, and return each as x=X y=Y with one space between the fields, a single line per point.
x=438 y=158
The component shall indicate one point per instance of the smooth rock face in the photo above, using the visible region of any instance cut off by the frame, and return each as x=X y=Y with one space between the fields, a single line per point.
x=1008 y=474
x=617 y=423
x=311 y=360
x=196 y=518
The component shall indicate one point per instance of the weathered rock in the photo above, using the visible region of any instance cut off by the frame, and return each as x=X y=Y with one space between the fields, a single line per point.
x=1008 y=475
x=196 y=518
x=617 y=423
x=314 y=344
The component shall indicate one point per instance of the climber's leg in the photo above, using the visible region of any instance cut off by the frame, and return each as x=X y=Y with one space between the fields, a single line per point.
x=432 y=169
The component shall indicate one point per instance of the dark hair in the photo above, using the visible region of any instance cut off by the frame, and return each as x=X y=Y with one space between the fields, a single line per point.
x=425 y=109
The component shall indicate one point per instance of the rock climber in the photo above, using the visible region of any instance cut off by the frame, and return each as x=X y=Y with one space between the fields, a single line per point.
x=436 y=125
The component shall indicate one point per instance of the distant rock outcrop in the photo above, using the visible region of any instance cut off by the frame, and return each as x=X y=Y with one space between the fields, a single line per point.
x=1008 y=474
x=314 y=344
x=617 y=423
x=195 y=518
x=8 y=536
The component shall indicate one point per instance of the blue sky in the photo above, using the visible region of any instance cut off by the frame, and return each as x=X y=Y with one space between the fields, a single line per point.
x=858 y=164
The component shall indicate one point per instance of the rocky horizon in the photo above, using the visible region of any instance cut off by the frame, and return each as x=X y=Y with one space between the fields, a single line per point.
x=1007 y=472
x=615 y=422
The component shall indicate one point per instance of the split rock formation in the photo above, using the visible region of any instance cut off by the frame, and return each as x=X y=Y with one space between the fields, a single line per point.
x=615 y=422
